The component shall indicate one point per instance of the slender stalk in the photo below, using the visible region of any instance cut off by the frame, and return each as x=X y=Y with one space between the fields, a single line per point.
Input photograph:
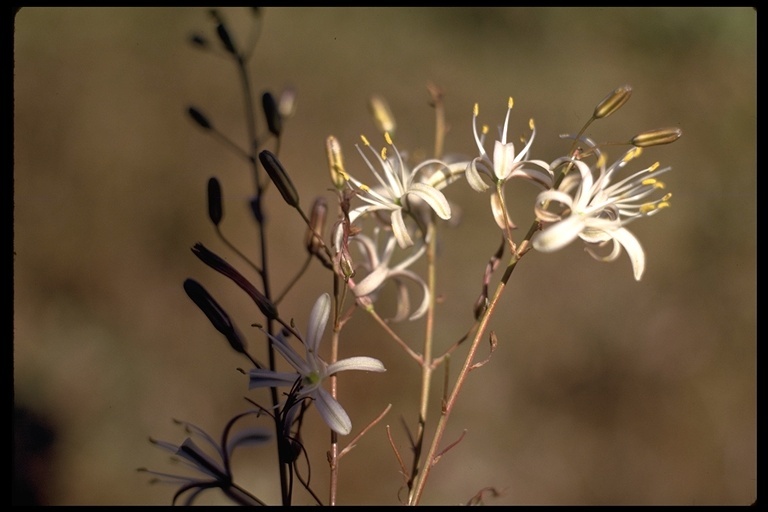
x=250 y=121
x=333 y=452
x=429 y=461
x=426 y=363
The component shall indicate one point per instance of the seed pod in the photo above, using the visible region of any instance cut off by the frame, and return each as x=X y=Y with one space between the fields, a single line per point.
x=656 y=137
x=279 y=177
x=612 y=102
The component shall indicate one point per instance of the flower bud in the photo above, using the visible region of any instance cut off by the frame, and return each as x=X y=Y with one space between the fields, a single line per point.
x=316 y=228
x=382 y=115
x=287 y=103
x=279 y=177
x=266 y=306
x=272 y=113
x=225 y=38
x=335 y=162
x=215 y=314
x=656 y=137
x=612 y=102
x=199 y=118
x=215 y=209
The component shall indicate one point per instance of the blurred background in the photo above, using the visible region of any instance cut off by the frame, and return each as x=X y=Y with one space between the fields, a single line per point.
x=603 y=390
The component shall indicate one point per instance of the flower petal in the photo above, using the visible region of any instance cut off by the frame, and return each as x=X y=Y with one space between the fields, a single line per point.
x=261 y=378
x=368 y=364
x=634 y=250
x=434 y=198
x=400 y=231
x=318 y=318
x=332 y=412
x=473 y=177
x=558 y=235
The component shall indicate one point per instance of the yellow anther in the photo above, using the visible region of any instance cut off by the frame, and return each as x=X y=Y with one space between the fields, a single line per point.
x=485 y=129
x=663 y=204
x=365 y=141
x=531 y=125
x=648 y=181
x=667 y=197
x=510 y=102
x=383 y=153
x=601 y=160
x=388 y=138
x=647 y=207
x=476 y=110
x=365 y=188
x=653 y=167
x=632 y=153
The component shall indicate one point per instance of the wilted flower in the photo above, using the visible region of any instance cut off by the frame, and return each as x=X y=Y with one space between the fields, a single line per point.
x=216 y=471
x=597 y=210
x=312 y=371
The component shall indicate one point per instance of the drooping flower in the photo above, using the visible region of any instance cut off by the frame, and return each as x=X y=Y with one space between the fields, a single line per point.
x=597 y=210
x=312 y=371
x=503 y=166
x=216 y=471
x=397 y=184
x=381 y=270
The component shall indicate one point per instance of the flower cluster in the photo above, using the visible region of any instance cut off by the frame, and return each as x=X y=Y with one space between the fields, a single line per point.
x=384 y=236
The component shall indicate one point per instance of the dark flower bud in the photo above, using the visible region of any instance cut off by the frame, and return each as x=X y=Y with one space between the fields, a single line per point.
x=266 y=306
x=215 y=314
x=225 y=38
x=215 y=208
x=199 y=118
x=656 y=137
x=255 y=204
x=612 y=102
x=198 y=40
x=279 y=177
x=272 y=113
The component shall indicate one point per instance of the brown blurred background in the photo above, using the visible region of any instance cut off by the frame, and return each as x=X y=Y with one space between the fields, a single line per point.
x=603 y=390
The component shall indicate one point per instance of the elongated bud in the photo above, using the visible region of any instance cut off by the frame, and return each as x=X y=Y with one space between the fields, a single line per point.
x=656 y=137
x=226 y=40
x=266 y=306
x=612 y=102
x=215 y=314
x=316 y=228
x=199 y=118
x=215 y=209
x=335 y=162
x=279 y=177
x=287 y=103
x=382 y=115
x=271 y=112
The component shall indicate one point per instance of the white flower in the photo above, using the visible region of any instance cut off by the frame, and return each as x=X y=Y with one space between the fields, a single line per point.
x=504 y=165
x=380 y=271
x=597 y=211
x=396 y=183
x=313 y=371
